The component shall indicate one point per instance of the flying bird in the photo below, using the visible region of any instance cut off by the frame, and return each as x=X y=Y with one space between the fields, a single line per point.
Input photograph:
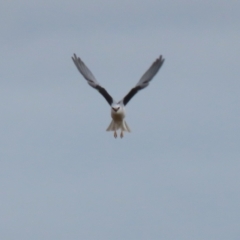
x=118 y=108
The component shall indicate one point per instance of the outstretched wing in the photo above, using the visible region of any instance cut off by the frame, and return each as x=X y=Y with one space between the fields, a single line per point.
x=87 y=74
x=145 y=79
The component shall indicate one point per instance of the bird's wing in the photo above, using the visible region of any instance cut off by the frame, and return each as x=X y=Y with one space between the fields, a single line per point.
x=145 y=79
x=87 y=74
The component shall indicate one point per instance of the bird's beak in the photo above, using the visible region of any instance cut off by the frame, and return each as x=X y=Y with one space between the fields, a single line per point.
x=115 y=109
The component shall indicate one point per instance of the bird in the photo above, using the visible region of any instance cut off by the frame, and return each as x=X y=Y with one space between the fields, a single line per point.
x=118 y=108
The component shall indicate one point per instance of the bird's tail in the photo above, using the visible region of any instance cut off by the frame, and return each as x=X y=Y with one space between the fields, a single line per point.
x=114 y=126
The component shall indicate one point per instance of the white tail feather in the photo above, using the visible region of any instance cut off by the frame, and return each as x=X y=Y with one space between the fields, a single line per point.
x=114 y=126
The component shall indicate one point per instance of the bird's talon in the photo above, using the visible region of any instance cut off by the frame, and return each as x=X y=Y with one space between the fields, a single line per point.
x=121 y=135
x=115 y=134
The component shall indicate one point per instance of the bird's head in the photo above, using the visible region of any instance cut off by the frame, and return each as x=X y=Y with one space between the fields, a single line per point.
x=116 y=107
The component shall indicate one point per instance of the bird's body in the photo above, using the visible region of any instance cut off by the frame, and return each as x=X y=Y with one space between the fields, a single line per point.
x=118 y=108
x=118 y=122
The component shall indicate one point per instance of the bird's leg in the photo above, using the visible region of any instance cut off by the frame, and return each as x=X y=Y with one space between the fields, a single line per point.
x=115 y=134
x=121 y=135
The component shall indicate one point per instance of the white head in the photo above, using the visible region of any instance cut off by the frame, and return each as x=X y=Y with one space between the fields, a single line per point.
x=117 y=107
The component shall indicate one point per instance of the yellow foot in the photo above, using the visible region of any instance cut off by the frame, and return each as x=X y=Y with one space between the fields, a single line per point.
x=115 y=134
x=121 y=135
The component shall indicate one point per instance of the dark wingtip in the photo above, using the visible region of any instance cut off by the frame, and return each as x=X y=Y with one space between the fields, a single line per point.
x=161 y=59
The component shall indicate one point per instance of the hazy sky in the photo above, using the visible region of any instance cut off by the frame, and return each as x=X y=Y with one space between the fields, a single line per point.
x=175 y=176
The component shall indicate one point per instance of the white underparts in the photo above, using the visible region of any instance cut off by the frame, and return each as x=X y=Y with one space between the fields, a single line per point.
x=118 y=123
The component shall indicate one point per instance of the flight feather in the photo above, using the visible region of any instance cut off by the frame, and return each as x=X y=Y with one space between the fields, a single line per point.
x=145 y=79
x=87 y=74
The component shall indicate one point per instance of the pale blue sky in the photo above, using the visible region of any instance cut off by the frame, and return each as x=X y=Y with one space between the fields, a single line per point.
x=175 y=176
